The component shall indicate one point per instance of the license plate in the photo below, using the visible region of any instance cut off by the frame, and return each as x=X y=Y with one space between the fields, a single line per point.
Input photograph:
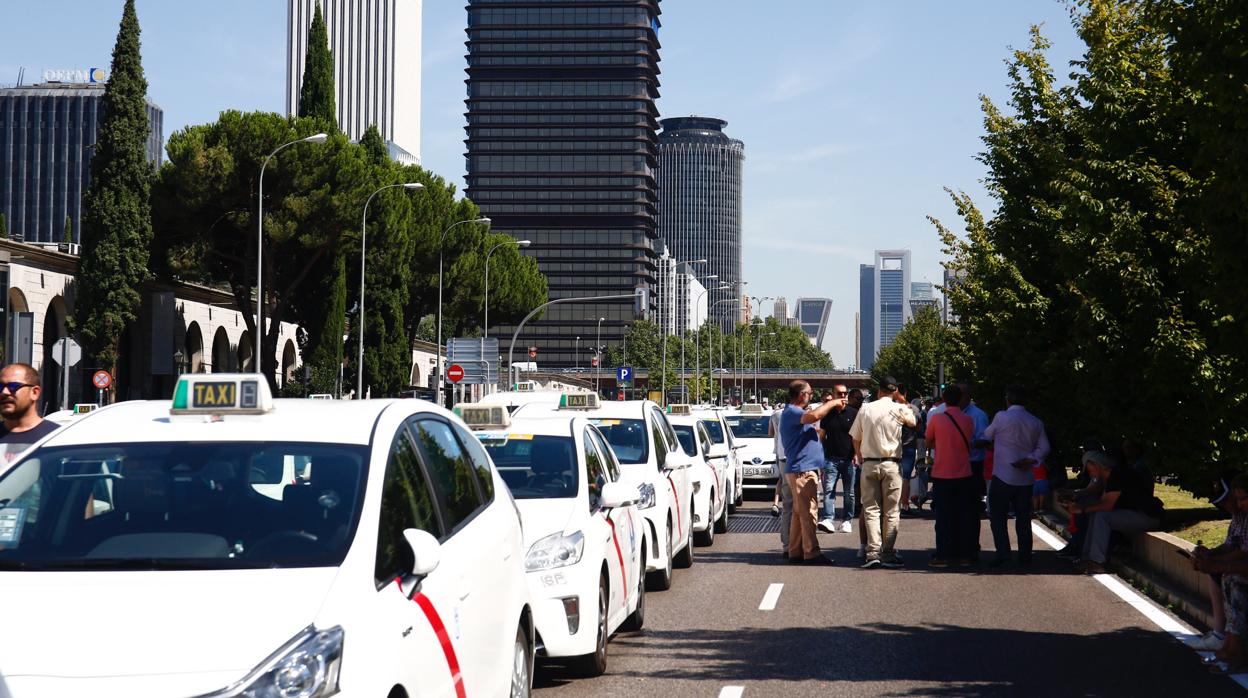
x=757 y=472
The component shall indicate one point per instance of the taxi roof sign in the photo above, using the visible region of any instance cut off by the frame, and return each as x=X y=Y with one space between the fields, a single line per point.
x=221 y=393
x=752 y=408
x=578 y=401
x=679 y=408
x=526 y=386
x=484 y=416
x=85 y=407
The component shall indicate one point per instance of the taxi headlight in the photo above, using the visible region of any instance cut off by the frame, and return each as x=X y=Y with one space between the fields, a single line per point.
x=305 y=667
x=555 y=550
x=645 y=496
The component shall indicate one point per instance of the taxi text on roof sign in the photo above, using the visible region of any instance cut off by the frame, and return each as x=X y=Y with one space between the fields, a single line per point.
x=752 y=408
x=578 y=401
x=677 y=408
x=221 y=393
x=483 y=416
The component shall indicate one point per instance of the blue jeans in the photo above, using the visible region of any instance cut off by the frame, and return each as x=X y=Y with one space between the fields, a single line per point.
x=844 y=470
x=908 y=456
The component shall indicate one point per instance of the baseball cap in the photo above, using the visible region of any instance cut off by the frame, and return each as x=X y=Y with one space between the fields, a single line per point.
x=888 y=384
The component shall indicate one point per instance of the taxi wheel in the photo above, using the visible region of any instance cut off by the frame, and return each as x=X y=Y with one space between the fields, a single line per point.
x=707 y=537
x=637 y=619
x=721 y=524
x=661 y=580
x=596 y=664
x=522 y=666
x=684 y=558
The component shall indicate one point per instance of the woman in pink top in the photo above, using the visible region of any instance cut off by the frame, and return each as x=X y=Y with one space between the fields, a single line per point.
x=953 y=486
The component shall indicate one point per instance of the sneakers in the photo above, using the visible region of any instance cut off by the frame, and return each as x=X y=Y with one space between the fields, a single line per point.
x=826 y=526
x=1211 y=641
x=938 y=563
x=1069 y=552
x=893 y=564
x=818 y=560
x=871 y=564
x=846 y=526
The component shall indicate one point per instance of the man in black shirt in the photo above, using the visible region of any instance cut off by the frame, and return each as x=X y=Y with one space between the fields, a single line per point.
x=1126 y=505
x=838 y=454
x=19 y=407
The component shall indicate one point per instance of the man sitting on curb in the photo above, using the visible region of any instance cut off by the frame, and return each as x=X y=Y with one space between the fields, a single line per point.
x=1125 y=506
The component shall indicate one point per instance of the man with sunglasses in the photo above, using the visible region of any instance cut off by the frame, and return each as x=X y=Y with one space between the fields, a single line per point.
x=19 y=407
x=838 y=454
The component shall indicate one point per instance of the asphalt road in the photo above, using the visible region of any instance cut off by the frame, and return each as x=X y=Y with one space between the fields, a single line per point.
x=844 y=631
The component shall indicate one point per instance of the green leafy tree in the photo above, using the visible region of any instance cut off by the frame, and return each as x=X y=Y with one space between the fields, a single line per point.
x=915 y=353
x=68 y=235
x=117 y=216
x=316 y=93
x=4 y=227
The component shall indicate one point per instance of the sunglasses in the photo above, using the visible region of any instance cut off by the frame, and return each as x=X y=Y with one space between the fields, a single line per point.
x=14 y=387
x=842 y=393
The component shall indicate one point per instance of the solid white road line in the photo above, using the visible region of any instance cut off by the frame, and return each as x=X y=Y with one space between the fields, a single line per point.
x=1042 y=532
x=770 y=598
x=732 y=692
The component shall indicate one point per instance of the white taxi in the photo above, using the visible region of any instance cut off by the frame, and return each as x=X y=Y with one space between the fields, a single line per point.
x=724 y=447
x=646 y=446
x=759 y=470
x=586 y=552
x=710 y=479
x=228 y=544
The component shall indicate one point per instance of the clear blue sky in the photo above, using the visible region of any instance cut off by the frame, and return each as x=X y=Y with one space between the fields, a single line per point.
x=854 y=114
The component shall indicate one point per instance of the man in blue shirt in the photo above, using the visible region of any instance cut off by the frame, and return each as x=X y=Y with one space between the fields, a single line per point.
x=803 y=465
x=980 y=419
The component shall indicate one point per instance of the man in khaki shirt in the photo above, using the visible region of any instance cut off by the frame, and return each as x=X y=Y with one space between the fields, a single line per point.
x=877 y=443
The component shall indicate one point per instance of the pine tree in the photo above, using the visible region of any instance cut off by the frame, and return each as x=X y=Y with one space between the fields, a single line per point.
x=316 y=95
x=117 y=219
x=68 y=235
x=4 y=227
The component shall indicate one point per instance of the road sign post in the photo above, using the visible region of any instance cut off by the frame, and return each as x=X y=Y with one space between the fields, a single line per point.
x=67 y=353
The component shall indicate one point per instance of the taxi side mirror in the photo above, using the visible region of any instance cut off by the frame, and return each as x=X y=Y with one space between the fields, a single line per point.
x=618 y=494
x=426 y=551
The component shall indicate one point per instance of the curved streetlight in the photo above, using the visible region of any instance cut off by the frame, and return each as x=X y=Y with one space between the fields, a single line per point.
x=722 y=368
x=485 y=323
x=598 y=357
x=697 y=339
x=671 y=311
x=359 y=369
x=259 y=355
x=441 y=243
x=758 y=336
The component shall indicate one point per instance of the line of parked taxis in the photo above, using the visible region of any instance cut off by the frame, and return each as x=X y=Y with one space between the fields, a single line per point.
x=227 y=544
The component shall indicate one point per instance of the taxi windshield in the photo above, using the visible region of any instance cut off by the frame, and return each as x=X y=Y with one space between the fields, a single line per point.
x=715 y=430
x=627 y=438
x=181 y=505
x=686 y=437
x=748 y=427
x=534 y=467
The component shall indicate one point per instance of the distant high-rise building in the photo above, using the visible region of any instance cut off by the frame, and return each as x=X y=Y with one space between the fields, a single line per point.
x=747 y=314
x=562 y=150
x=691 y=303
x=951 y=279
x=812 y=316
x=857 y=341
x=922 y=295
x=866 y=314
x=892 y=295
x=699 y=182
x=47 y=138
x=665 y=292
x=376 y=50
x=780 y=309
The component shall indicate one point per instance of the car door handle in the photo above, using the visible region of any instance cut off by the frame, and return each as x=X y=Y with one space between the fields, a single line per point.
x=464 y=588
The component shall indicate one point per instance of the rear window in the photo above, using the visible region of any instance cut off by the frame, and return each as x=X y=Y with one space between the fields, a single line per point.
x=627 y=438
x=715 y=429
x=685 y=435
x=535 y=467
x=748 y=427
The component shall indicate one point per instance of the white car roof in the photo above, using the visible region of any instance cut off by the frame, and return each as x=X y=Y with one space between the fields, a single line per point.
x=620 y=409
x=686 y=419
x=553 y=424
x=296 y=420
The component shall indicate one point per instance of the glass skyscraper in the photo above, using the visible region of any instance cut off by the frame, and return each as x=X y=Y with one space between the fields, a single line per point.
x=562 y=151
x=700 y=171
x=866 y=317
x=892 y=295
x=47 y=132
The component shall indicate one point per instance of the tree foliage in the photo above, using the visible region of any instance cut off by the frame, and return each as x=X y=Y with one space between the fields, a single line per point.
x=1110 y=277
x=915 y=353
x=316 y=92
x=117 y=216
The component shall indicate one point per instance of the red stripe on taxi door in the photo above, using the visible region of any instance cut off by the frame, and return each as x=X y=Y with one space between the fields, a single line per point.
x=444 y=639
x=619 y=555
x=676 y=497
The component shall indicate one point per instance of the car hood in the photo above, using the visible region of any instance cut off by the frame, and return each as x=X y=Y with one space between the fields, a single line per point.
x=95 y=625
x=544 y=517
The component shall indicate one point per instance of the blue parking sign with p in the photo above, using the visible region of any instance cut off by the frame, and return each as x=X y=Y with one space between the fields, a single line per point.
x=623 y=374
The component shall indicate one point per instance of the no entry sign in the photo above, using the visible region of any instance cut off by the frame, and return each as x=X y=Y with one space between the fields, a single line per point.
x=455 y=373
x=101 y=379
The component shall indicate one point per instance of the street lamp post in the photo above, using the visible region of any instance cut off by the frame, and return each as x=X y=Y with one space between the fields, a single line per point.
x=485 y=324
x=316 y=138
x=721 y=350
x=670 y=310
x=577 y=353
x=697 y=339
x=598 y=358
x=759 y=302
x=359 y=369
x=684 y=384
x=758 y=336
x=441 y=249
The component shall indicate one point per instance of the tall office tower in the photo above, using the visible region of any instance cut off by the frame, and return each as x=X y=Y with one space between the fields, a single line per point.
x=951 y=279
x=858 y=341
x=747 y=314
x=46 y=136
x=892 y=294
x=562 y=151
x=691 y=303
x=812 y=316
x=922 y=295
x=700 y=200
x=866 y=314
x=780 y=309
x=665 y=291
x=376 y=50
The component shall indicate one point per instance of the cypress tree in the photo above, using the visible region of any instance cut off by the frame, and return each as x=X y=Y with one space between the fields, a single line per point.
x=117 y=216
x=316 y=94
x=68 y=235
x=4 y=227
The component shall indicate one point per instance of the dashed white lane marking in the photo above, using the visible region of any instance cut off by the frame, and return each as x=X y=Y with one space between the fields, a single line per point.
x=1044 y=534
x=732 y=692
x=770 y=599
x=1177 y=629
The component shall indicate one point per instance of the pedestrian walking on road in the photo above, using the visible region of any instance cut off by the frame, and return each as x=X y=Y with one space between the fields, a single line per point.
x=978 y=454
x=877 y=442
x=1019 y=444
x=782 y=505
x=839 y=462
x=803 y=466
x=953 y=484
x=909 y=450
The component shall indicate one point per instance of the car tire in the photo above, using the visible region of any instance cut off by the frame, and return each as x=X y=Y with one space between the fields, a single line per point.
x=522 y=666
x=595 y=663
x=707 y=538
x=684 y=559
x=721 y=524
x=661 y=580
x=637 y=619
